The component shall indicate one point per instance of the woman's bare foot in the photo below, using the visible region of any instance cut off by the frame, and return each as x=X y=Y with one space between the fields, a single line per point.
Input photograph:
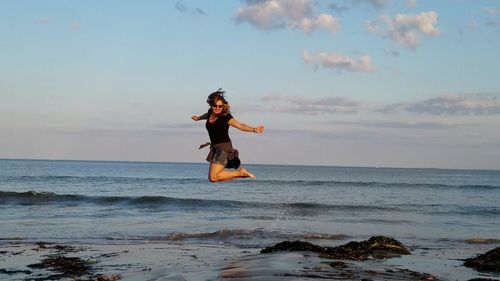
x=247 y=174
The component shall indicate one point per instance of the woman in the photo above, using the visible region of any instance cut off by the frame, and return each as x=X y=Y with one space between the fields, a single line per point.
x=222 y=154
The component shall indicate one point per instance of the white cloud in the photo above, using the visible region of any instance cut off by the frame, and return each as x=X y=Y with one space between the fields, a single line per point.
x=279 y=14
x=375 y=3
x=378 y=3
x=324 y=21
x=406 y=29
x=453 y=104
x=492 y=10
x=151 y=130
x=326 y=105
x=411 y=3
x=402 y=124
x=338 y=61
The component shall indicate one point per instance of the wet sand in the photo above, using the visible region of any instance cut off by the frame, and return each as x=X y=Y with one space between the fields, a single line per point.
x=144 y=261
x=162 y=261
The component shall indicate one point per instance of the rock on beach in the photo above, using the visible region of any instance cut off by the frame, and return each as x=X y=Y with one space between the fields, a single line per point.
x=379 y=246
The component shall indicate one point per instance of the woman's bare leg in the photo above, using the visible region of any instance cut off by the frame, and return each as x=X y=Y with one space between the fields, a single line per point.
x=217 y=173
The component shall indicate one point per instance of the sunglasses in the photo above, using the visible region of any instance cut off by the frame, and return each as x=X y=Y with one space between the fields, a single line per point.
x=218 y=106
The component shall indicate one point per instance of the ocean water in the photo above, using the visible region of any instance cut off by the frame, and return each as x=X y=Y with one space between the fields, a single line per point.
x=122 y=202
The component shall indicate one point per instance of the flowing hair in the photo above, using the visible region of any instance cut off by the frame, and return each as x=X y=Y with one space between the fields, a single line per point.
x=219 y=96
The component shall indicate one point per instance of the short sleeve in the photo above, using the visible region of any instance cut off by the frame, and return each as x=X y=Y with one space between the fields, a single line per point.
x=228 y=117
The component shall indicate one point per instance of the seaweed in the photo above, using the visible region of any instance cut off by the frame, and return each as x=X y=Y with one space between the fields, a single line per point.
x=65 y=266
x=489 y=261
x=376 y=246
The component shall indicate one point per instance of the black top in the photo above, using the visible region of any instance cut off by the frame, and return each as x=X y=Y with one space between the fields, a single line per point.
x=218 y=130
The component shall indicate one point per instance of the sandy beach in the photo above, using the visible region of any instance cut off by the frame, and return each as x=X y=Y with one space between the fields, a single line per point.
x=163 y=261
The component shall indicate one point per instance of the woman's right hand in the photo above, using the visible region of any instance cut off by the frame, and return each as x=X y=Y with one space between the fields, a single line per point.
x=259 y=129
x=195 y=118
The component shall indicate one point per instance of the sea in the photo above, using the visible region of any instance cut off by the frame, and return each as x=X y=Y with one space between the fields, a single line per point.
x=139 y=202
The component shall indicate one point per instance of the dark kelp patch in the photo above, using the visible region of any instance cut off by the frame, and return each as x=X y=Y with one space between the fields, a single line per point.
x=376 y=246
x=62 y=266
x=489 y=261
x=41 y=246
x=65 y=266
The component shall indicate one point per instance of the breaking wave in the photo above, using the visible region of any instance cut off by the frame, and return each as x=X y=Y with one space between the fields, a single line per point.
x=159 y=202
x=251 y=234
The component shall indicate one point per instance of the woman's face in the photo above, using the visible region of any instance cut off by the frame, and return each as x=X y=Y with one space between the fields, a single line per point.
x=217 y=107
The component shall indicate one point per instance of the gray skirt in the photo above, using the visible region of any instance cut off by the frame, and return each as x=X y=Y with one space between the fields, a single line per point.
x=224 y=154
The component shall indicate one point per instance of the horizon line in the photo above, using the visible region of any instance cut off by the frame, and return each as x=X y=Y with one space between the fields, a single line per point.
x=261 y=164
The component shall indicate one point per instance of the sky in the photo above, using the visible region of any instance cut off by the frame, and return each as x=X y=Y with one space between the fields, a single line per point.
x=372 y=83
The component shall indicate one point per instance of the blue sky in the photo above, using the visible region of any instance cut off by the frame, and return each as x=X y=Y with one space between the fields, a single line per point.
x=335 y=82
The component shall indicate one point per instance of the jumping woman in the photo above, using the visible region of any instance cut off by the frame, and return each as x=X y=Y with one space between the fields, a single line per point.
x=222 y=155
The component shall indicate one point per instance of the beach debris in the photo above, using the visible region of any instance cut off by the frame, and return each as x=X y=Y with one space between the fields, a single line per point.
x=376 y=246
x=41 y=246
x=71 y=267
x=411 y=275
x=338 y=265
x=66 y=248
x=482 y=241
x=64 y=266
x=489 y=261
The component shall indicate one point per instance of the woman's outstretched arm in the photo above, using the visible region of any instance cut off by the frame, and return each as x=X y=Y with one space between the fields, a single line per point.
x=244 y=127
x=198 y=118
